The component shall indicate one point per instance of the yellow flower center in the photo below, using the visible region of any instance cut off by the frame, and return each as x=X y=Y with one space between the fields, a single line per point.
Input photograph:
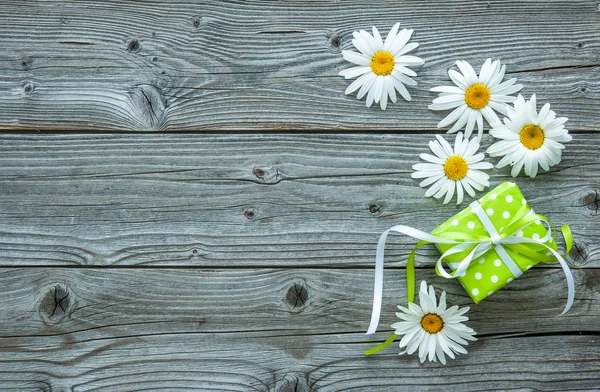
x=432 y=323
x=532 y=137
x=382 y=63
x=456 y=167
x=477 y=96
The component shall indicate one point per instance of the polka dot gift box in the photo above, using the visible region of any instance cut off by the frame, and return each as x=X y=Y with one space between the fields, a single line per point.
x=501 y=208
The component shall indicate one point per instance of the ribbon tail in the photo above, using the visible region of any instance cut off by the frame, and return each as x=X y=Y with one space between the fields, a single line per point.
x=378 y=289
x=569 y=277
x=380 y=347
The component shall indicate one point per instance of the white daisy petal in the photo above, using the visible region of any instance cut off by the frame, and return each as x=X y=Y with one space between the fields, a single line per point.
x=401 y=89
x=362 y=45
x=458 y=79
x=471 y=123
x=366 y=86
x=406 y=71
x=378 y=40
x=462 y=120
x=409 y=60
x=450 y=192
x=467 y=71
x=354 y=72
x=390 y=37
x=401 y=39
x=459 y=193
x=432 y=190
x=356 y=58
x=407 y=48
x=432 y=159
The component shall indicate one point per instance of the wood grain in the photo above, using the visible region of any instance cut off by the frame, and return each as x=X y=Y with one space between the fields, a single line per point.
x=240 y=329
x=237 y=65
x=245 y=200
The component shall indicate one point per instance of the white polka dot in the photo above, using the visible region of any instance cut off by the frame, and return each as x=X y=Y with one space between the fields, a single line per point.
x=494 y=278
x=509 y=280
x=490 y=293
x=481 y=261
x=520 y=233
x=511 y=184
x=500 y=229
x=454 y=222
x=475 y=291
x=535 y=236
x=489 y=211
x=523 y=202
x=471 y=225
x=478 y=275
x=538 y=222
x=497 y=263
x=493 y=196
x=528 y=267
x=508 y=199
x=548 y=253
x=506 y=214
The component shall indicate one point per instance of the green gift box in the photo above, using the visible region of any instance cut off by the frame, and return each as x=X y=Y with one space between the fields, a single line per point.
x=503 y=205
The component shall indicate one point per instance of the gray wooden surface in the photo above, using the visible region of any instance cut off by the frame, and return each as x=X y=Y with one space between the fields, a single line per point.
x=209 y=258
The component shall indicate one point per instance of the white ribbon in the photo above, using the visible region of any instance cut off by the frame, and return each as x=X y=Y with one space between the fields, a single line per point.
x=479 y=249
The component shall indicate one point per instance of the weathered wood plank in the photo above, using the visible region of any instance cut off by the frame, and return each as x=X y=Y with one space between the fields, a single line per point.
x=102 y=303
x=230 y=329
x=245 y=200
x=244 y=362
x=160 y=66
x=134 y=329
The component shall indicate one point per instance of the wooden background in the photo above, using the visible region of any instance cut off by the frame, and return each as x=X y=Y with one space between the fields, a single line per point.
x=189 y=202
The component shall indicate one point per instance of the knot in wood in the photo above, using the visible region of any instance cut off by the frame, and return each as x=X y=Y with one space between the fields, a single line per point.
x=268 y=175
x=249 y=213
x=134 y=46
x=56 y=304
x=148 y=106
x=579 y=253
x=28 y=88
x=26 y=63
x=196 y=21
x=336 y=41
x=297 y=296
x=374 y=208
x=591 y=200
x=292 y=383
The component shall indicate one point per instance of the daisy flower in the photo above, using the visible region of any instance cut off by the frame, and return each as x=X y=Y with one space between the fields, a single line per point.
x=452 y=170
x=475 y=97
x=381 y=67
x=432 y=328
x=529 y=139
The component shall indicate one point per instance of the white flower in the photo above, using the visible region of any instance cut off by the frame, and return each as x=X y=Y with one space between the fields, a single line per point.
x=381 y=66
x=451 y=170
x=475 y=97
x=432 y=328
x=529 y=139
